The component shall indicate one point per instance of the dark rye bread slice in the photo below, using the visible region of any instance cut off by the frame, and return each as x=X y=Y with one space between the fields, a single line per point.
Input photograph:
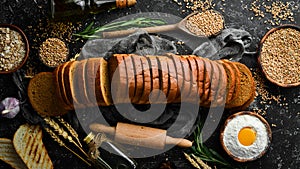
x=43 y=96
x=200 y=77
x=231 y=80
x=222 y=89
x=247 y=87
x=58 y=78
x=118 y=78
x=163 y=78
x=179 y=75
x=207 y=82
x=91 y=70
x=144 y=99
x=237 y=87
x=155 y=84
x=246 y=105
x=215 y=78
x=139 y=78
x=194 y=95
x=186 y=88
x=173 y=85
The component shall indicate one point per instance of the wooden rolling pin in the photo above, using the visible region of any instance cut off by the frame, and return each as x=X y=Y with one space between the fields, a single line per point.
x=140 y=135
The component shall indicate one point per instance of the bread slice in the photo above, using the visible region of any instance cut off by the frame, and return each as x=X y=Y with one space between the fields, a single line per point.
x=105 y=83
x=173 y=84
x=222 y=87
x=131 y=79
x=200 y=76
x=43 y=96
x=194 y=95
x=91 y=70
x=207 y=82
x=247 y=87
x=186 y=88
x=147 y=81
x=237 y=76
x=9 y=155
x=215 y=78
x=163 y=78
x=67 y=73
x=139 y=78
x=180 y=80
x=60 y=86
x=231 y=80
x=28 y=144
x=155 y=83
x=79 y=83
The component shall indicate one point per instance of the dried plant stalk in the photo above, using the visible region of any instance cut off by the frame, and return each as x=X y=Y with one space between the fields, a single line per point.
x=62 y=144
x=70 y=129
x=62 y=132
x=192 y=161
x=200 y=162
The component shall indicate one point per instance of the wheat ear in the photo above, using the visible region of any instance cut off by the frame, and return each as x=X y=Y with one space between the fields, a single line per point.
x=200 y=162
x=62 y=132
x=70 y=129
x=62 y=144
x=192 y=161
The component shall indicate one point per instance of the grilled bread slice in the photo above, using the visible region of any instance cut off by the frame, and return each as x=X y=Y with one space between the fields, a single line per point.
x=28 y=144
x=9 y=155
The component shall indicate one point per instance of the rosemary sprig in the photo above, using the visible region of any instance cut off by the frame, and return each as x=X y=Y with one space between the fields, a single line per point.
x=90 y=32
x=202 y=153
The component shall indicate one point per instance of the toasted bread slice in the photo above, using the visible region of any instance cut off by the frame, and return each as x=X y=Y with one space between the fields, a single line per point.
x=28 y=144
x=9 y=155
x=43 y=97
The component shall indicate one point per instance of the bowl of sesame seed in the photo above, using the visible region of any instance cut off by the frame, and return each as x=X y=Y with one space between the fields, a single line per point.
x=14 y=48
x=279 y=55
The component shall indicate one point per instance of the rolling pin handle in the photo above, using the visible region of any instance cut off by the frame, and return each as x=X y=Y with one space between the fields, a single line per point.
x=103 y=128
x=179 y=142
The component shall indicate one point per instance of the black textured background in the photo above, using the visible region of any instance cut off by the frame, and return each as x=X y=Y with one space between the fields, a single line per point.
x=284 y=151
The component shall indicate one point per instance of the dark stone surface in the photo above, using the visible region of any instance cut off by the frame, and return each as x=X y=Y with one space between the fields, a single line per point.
x=284 y=151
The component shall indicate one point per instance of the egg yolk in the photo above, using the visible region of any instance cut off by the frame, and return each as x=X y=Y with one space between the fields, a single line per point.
x=247 y=136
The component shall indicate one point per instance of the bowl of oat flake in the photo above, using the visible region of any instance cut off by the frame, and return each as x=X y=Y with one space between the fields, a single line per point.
x=14 y=48
x=279 y=55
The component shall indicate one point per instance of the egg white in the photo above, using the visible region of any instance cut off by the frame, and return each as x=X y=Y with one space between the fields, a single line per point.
x=232 y=144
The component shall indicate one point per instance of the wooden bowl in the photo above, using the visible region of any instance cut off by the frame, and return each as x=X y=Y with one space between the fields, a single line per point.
x=25 y=40
x=260 y=59
x=266 y=124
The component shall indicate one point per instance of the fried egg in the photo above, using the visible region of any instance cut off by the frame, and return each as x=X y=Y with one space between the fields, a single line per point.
x=246 y=136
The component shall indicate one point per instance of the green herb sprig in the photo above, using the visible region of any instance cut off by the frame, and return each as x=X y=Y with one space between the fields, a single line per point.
x=141 y=22
x=207 y=154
